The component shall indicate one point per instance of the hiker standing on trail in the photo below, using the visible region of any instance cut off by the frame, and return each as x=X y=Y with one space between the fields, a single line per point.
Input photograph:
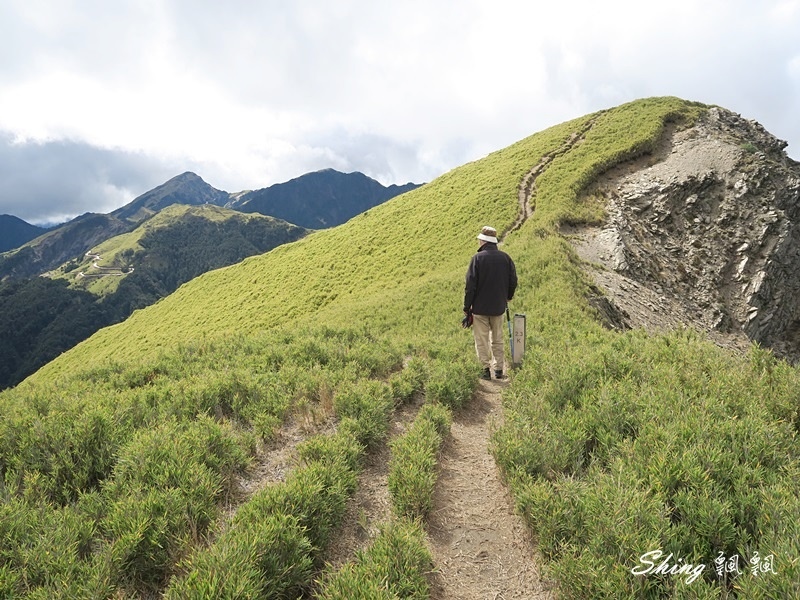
x=491 y=283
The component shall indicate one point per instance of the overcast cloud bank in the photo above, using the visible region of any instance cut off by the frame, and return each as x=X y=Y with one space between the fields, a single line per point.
x=101 y=101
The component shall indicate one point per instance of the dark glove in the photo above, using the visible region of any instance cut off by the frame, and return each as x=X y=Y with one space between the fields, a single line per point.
x=466 y=322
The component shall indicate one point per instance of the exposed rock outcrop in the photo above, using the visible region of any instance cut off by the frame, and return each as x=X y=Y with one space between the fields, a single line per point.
x=704 y=233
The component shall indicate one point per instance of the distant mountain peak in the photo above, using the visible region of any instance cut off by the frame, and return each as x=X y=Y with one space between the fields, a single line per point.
x=187 y=176
x=186 y=188
x=15 y=232
x=320 y=199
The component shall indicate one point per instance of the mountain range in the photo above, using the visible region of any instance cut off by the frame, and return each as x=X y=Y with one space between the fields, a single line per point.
x=319 y=200
x=295 y=421
x=143 y=251
x=314 y=200
x=14 y=232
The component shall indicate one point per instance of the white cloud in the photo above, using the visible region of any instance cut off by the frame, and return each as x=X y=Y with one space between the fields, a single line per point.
x=793 y=67
x=785 y=11
x=255 y=92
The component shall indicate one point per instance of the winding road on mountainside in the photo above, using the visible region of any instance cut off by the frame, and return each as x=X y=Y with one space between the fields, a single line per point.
x=114 y=271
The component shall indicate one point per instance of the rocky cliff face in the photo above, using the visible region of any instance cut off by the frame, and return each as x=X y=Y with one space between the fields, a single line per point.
x=705 y=233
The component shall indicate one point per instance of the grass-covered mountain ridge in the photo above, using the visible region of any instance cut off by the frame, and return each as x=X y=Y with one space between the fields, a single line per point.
x=314 y=200
x=133 y=256
x=126 y=454
x=45 y=316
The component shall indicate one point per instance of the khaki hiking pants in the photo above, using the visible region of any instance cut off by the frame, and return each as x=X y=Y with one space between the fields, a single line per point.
x=488 y=333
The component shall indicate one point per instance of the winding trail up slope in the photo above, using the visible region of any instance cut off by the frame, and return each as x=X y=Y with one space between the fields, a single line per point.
x=481 y=547
x=527 y=187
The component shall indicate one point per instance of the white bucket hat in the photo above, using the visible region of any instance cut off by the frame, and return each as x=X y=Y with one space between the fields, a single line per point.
x=488 y=234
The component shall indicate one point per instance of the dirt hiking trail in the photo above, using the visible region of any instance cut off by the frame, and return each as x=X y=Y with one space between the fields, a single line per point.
x=482 y=550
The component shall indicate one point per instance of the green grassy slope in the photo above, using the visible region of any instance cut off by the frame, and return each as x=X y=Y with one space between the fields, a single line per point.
x=118 y=251
x=614 y=445
x=395 y=255
x=382 y=265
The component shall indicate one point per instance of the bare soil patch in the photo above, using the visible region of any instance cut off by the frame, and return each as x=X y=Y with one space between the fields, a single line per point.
x=276 y=459
x=371 y=505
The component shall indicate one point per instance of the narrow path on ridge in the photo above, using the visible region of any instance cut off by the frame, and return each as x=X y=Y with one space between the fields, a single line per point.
x=482 y=550
x=527 y=187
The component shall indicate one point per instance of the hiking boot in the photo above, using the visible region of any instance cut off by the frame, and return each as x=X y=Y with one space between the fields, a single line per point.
x=499 y=375
x=487 y=374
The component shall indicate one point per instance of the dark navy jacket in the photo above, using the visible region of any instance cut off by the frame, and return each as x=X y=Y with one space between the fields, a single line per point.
x=491 y=281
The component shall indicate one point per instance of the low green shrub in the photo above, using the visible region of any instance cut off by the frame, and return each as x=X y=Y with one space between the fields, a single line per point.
x=45 y=548
x=394 y=566
x=452 y=380
x=171 y=454
x=58 y=455
x=165 y=495
x=275 y=539
x=150 y=533
x=663 y=444
x=272 y=543
x=368 y=403
x=327 y=449
x=315 y=494
x=411 y=380
x=749 y=147
x=268 y=557
x=412 y=471
x=265 y=425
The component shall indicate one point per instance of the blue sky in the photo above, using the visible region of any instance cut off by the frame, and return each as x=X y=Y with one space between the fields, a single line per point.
x=101 y=101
